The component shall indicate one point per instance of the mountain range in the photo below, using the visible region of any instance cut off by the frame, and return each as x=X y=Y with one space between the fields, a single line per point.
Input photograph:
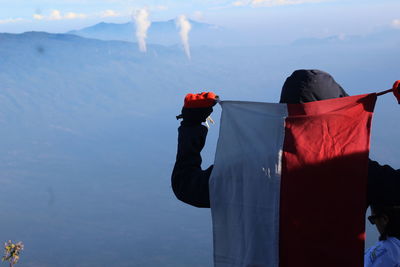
x=204 y=34
x=160 y=32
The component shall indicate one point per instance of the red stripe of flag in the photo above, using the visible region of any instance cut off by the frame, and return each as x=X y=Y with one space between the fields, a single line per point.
x=323 y=186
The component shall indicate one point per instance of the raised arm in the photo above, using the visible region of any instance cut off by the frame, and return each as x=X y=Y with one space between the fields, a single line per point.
x=189 y=181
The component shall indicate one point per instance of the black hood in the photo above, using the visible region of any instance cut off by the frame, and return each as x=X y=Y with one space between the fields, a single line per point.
x=310 y=85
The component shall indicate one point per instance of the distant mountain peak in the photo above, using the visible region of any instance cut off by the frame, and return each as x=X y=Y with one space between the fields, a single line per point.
x=160 y=32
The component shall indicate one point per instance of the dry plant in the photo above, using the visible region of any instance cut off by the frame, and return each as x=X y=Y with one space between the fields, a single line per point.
x=12 y=251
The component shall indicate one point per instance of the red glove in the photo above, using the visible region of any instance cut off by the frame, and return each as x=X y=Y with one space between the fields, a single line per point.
x=396 y=90
x=197 y=108
x=202 y=100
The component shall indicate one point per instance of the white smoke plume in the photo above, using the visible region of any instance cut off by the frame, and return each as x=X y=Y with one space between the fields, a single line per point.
x=141 y=18
x=184 y=28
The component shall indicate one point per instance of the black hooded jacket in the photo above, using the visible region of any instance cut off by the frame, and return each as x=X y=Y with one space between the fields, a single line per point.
x=190 y=182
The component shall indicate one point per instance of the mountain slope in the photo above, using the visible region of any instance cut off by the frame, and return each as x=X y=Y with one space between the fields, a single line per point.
x=88 y=138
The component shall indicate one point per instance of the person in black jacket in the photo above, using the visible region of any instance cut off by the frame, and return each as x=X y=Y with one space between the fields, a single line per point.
x=190 y=182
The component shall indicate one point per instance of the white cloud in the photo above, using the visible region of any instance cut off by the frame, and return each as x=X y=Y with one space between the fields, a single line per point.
x=11 y=20
x=269 y=3
x=38 y=16
x=396 y=23
x=240 y=3
x=109 y=13
x=72 y=15
x=55 y=15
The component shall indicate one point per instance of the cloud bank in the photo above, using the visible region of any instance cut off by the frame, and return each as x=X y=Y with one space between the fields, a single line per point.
x=58 y=15
x=109 y=13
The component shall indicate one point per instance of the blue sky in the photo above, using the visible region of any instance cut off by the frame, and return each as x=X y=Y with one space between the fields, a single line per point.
x=288 y=19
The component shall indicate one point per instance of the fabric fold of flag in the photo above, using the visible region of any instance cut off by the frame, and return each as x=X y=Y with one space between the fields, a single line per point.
x=288 y=188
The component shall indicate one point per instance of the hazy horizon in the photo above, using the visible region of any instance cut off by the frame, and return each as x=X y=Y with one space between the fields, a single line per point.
x=276 y=21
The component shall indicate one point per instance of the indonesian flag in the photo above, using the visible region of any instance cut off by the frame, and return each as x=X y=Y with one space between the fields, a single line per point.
x=288 y=188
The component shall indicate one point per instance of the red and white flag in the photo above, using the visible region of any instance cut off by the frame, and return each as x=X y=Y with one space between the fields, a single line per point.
x=288 y=188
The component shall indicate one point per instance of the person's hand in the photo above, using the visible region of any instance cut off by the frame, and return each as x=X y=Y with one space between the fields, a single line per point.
x=201 y=100
x=197 y=108
x=396 y=90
